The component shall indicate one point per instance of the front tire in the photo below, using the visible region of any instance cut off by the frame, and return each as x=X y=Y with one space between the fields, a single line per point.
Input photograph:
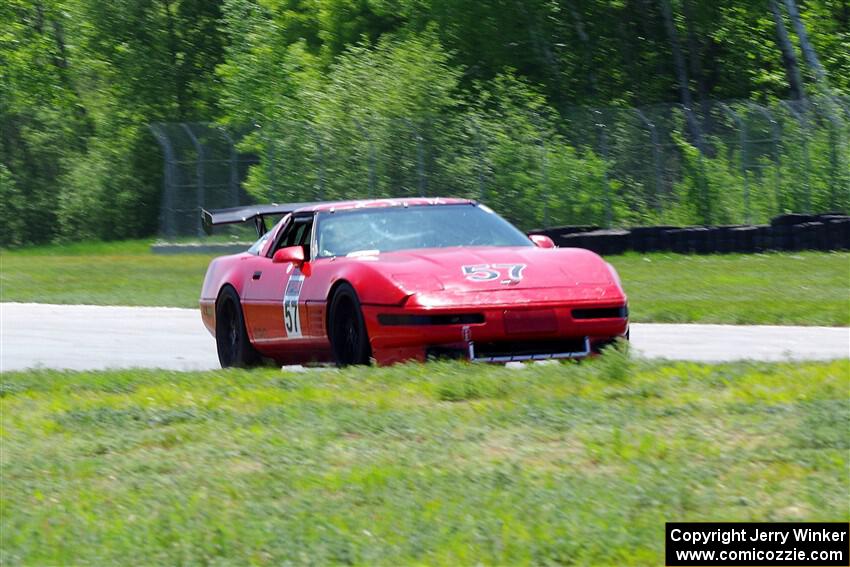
x=231 y=336
x=347 y=329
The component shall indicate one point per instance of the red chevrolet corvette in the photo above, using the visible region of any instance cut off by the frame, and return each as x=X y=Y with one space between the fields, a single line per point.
x=404 y=279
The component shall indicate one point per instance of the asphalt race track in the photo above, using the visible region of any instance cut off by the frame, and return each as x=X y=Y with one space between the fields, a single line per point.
x=84 y=337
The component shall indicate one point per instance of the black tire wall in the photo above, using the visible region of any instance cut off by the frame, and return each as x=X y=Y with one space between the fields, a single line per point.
x=828 y=231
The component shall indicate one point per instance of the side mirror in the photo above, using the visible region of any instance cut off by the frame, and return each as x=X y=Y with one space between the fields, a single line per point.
x=293 y=254
x=542 y=241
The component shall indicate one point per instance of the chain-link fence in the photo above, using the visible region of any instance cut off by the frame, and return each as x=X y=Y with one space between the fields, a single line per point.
x=202 y=168
x=723 y=162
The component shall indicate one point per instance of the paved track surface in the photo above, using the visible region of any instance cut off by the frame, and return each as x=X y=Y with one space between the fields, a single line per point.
x=85 y=337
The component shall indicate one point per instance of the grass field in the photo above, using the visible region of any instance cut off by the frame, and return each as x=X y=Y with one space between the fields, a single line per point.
x=431 y=464
x=804 y=288
x=808 y=288
x=124 y=273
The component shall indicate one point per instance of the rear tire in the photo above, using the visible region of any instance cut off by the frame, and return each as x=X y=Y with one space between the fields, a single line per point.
x=347 y=328
x=231 y=336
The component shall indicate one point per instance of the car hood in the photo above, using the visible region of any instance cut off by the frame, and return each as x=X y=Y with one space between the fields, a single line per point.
x=481 y=269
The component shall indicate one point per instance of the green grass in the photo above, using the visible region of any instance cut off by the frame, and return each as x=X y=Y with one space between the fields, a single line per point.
x=807 y=288
x=804 y=288
x=103 y=273
x=434 y=464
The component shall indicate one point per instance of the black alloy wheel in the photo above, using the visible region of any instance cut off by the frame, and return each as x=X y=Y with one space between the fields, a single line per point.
x=231 y=337
x=347 y=329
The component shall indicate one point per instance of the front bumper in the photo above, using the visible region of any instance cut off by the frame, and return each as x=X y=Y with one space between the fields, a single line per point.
x=505 y=333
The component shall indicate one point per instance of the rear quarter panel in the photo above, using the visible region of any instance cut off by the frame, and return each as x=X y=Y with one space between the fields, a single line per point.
x=221 y=271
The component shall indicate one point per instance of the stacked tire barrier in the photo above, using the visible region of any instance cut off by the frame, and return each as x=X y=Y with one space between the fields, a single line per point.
x=828 y=231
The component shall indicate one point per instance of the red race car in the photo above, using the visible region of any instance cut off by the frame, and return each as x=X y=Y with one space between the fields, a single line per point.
x=404 y=279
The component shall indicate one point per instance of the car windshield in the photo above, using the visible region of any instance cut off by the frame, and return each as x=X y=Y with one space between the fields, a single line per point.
x=372 y=230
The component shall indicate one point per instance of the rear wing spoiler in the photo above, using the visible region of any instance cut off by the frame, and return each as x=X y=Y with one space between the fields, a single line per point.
x=255 y=213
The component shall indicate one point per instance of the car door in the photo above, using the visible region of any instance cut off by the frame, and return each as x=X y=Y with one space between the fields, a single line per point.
x=272 y=296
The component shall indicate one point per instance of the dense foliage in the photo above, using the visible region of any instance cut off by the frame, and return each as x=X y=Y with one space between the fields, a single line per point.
x=487 y=86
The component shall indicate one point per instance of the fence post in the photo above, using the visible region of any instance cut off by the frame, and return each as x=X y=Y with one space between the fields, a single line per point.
x=166 y=213
x=233 y=182
x=742 y=141
x=480 y=157
x=544 y=165
x=603 y=150
x=803 y=123
x=320 y=156
x=776 y=132
x=371 y=157
x=321 y=167
x=656 y=157
x=835 y=142
x=843 y=102
x=271 y=163
x=200 y=192
x=420 y=157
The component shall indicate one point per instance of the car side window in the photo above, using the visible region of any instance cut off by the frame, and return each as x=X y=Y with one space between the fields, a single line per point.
x=259 y=244
x=298 y=233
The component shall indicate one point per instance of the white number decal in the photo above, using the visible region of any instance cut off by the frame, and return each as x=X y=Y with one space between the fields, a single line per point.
x=490 y=272
x=480 y=273
x=291 y=318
